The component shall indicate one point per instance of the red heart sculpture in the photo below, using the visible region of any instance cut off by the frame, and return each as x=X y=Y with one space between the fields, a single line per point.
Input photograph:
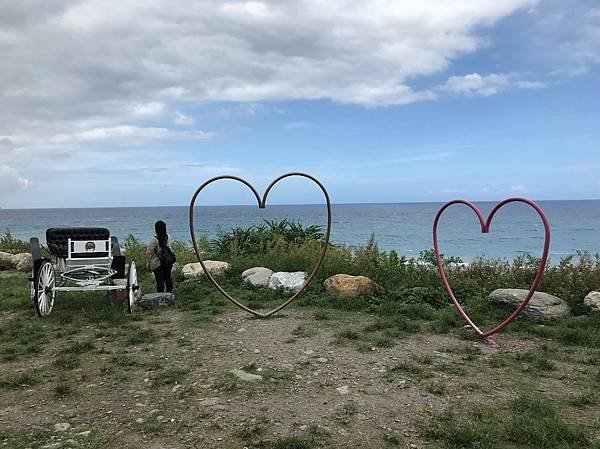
x=261 y=204
x=485 y=228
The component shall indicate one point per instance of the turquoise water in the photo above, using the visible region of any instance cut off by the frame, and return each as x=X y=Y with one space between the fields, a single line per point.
x=403 y=227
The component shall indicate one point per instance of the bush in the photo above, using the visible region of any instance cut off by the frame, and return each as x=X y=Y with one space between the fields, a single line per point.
x=12 y=245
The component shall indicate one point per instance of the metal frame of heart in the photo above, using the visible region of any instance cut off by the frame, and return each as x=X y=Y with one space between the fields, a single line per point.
x=485 y=228
x=262 y=202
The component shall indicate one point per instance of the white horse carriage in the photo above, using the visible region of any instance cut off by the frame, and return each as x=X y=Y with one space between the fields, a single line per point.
x=81 y=260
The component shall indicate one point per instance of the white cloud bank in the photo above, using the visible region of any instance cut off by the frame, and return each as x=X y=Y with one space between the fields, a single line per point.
x=65 y=60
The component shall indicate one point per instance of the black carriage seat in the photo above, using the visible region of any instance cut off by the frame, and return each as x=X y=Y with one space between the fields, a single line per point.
x=58 y=239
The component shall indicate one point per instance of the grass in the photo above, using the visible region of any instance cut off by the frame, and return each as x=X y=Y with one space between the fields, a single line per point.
x=410 y=370
x=169 y=376
x=19 y=380
x=527 y=421
x=90 y=355
x=346 y=414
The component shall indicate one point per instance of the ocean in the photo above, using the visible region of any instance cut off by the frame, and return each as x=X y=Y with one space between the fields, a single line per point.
x=406 y=227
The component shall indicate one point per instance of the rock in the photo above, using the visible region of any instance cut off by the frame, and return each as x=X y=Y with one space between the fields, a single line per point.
x=84 y=434
x=343 y=390
x=247 y=377
x=350 y=286
x=209 y=402
x=288 y=282
x=194 y=270
x=593 y=301
x=62 y=426
x=6 y=261
x=153 y=300
x=22 y=262
x=542 y=306
x=140 y=421
x=257 y=276
x=52 y=446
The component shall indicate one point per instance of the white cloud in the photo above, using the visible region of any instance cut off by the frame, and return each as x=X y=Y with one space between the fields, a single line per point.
x=87 y=58
x=296 y=125
x=475 y=84
x=129 y=133
x=11 y=179
x=152 y=109
x=182 y=119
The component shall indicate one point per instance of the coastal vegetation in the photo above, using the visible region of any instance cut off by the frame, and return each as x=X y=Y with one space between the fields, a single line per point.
x=390 y=369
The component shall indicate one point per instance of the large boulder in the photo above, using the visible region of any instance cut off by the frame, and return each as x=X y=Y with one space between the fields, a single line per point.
x=288 y=282
x=350 y=286
x=194 y=270
x=6 y=261
x=22 y=262
x=258 y=276
x=541 y=307
x=593 y=301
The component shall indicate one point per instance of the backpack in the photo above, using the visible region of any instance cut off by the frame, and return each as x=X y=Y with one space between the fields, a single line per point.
x=166 y=256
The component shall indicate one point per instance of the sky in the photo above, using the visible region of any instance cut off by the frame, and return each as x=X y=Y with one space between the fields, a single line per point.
x=137 y=103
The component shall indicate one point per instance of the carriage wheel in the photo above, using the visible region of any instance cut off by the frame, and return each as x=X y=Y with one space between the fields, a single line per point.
x=44 y=292
x=133 y=289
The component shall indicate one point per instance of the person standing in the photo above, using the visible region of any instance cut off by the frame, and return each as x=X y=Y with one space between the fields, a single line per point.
x=160 y=258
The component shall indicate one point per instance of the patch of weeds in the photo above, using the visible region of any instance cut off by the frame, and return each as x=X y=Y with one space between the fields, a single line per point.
x=424 y=359
x=348 y=334
x=450 y=368
x=382 y=341
x=9 y=354
x=323 y=315
x=106 y=370
x=472 y=387
x=123 y=360
x=446 y=319
x=527 y=421
x=533 y=361
x=468 y=353
x=284 y=443
x=345 y=415
x=535 y=422
x=78 y=347
x=138 y=336
x=408 y=369
x=253 y=429
x=393 y=439
x=437 y=387
x=399 y=324
x=229 y=383
x=318 y=434
x=62 y=390
x=583 y=400
x=152 y=426
x=303 y=331
x=66 y=361
x=184 y=342
x=17 y=381
x=169 y=376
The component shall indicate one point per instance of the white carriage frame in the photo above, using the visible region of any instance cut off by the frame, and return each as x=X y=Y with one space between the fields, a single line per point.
x=80 y=274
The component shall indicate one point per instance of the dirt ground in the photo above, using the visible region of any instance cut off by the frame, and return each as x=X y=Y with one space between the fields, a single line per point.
x=163 y=381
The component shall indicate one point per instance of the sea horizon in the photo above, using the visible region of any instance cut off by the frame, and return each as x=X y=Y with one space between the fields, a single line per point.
x=298 y=204
x=403 y=227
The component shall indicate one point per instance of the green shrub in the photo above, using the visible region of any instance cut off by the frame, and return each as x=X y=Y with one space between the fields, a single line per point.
x=9 y=244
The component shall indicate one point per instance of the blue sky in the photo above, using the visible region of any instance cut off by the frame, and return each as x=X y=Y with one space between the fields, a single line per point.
x=384 y=102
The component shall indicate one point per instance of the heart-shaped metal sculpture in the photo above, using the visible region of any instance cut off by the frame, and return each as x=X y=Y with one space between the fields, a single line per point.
x=262 y=204
x=485 y=228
